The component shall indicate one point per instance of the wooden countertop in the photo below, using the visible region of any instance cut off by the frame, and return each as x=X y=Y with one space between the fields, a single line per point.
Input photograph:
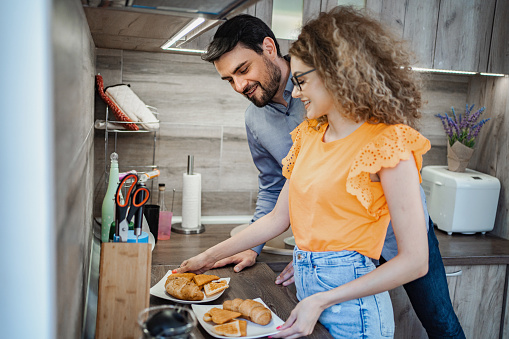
x=456 y=249
x=253 y=282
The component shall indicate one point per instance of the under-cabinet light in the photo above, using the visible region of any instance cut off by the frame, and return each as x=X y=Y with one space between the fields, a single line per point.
x=448 y=71
x=186 y=50
x=432 y=70
x=192 y=25
x=493 y=74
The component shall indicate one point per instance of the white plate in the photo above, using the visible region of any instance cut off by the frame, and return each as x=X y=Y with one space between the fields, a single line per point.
x=290 y=241
x=158 y=290
x=253 y=330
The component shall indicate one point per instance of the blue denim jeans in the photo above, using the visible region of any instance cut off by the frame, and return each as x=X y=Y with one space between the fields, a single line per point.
x=430 y=298
x=368 y=317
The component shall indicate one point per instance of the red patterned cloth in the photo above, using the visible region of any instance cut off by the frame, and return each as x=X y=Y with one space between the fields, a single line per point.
x=117 y=111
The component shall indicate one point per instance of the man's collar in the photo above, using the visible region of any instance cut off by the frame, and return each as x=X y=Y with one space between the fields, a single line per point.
x=289 y=83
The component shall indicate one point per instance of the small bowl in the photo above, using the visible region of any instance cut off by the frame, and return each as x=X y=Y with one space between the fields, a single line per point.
x=167 y=321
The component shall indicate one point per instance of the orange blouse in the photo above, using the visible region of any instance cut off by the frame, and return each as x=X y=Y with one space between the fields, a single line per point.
x=334 y=205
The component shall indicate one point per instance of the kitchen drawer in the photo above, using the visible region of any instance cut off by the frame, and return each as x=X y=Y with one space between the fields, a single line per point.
x=477 y=295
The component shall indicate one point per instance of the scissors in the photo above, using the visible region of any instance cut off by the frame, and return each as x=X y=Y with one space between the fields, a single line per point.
x=126 y=210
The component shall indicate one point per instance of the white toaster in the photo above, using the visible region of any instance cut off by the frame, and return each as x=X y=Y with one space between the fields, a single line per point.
x=463 y=202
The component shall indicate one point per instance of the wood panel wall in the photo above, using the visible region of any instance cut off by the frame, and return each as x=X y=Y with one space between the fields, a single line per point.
x=492 y=151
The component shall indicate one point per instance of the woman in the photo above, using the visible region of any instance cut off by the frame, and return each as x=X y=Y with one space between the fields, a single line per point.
x=353 y=167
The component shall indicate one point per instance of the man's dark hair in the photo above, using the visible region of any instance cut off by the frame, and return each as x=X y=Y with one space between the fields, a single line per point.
x=245 y=29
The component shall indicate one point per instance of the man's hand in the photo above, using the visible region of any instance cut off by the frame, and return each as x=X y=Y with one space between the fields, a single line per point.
x=242 y=259
x=286 y=277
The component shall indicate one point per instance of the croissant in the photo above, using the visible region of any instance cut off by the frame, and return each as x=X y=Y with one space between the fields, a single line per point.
x=183 y=289
x=250 y=309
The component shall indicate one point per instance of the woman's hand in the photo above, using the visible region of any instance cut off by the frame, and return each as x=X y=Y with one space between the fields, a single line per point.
x=197 y=264
x=302 y=320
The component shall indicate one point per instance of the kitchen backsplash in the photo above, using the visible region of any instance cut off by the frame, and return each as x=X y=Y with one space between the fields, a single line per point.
x=73 y=53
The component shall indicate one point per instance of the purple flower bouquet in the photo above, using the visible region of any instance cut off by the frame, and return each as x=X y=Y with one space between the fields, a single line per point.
x=463 y=128
x=461 y=133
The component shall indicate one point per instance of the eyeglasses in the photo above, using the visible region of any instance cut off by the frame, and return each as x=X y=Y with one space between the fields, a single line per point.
x=296 y=82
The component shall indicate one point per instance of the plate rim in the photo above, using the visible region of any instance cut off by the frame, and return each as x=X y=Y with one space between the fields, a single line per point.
x=286 y=241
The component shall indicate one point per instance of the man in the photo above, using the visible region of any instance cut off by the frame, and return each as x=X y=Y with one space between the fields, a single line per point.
x=246 y=54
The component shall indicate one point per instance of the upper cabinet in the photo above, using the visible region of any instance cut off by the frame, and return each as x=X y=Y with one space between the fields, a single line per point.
x=464 y=35
x=467 y=35
x=499 y=54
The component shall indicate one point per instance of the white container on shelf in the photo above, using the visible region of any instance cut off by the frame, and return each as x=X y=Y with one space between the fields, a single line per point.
x=461 y=202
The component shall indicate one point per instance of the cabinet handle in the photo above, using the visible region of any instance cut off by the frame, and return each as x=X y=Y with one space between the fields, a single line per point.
x=454 y=274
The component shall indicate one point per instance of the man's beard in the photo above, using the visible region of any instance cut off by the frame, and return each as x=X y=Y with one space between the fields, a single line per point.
x=270 y=87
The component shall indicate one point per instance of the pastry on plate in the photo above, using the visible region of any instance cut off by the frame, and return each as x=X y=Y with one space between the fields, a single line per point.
x=250 y=309
x=213 y=287
x=182 y=288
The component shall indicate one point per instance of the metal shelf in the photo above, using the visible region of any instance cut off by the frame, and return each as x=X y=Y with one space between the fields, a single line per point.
x=107 y=131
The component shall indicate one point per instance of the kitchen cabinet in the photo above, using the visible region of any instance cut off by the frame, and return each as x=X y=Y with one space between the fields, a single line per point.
x=477 y=295
x=412 y=20
x=464 y=35
x=505 y=329
x=468 y=35
x=499 y=52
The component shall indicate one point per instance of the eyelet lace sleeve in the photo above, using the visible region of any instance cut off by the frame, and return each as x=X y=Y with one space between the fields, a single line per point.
x=289 y=161
x=387 y=150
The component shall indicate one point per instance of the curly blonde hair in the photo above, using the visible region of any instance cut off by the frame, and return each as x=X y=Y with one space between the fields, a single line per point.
x=362 y=65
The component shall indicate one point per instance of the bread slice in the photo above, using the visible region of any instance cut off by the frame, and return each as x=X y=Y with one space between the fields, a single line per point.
x=220 y=316
x=243 y=328
x=202 y=279
x=231 y=329
x=215 y=287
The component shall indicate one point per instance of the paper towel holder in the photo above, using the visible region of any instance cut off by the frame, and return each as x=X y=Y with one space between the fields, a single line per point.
x=177 y=227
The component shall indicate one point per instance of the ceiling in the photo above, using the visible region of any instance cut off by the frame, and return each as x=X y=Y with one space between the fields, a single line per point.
x=145 y=25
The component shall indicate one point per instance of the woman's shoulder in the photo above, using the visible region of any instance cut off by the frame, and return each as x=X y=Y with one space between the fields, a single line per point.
x=393 y=132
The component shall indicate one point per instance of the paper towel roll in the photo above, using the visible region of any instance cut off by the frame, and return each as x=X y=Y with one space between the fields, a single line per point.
x=191 y=201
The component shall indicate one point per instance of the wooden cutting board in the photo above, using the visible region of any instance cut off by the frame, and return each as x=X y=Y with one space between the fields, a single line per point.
x=124 y=289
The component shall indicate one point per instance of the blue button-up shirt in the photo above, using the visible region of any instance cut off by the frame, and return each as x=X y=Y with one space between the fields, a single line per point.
x=268 y=134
